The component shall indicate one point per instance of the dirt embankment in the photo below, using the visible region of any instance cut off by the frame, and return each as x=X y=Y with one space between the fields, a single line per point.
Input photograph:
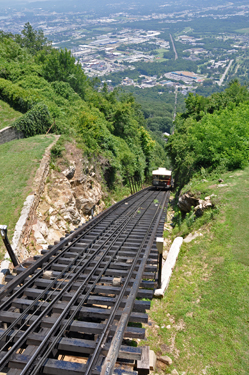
x=71 y=190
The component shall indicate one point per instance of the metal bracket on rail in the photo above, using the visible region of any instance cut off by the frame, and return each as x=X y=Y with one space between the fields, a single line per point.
x=159 y=245
x=3 y=230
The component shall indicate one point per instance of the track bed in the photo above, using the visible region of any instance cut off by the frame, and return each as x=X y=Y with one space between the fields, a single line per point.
x=77 y=308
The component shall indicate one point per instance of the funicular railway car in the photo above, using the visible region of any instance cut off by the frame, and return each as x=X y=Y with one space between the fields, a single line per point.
x=162 y=178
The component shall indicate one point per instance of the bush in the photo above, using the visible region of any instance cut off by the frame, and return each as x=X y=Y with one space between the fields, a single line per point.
x=18 y=98
x=63 y=89
x=56 y=151
x=218 y=142
x=35 y=121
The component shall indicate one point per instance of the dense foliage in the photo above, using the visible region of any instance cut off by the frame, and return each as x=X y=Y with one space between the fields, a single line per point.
x=157 y=105
x=213 y=134
x=49 y=87
x=36 y=121
x=60 y=66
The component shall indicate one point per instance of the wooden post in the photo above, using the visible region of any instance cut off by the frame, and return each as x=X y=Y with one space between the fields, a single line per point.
x=50 y=127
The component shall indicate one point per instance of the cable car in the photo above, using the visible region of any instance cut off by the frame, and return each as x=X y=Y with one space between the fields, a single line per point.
x=162 y=178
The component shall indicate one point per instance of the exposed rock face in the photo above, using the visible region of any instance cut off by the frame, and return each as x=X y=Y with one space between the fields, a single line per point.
x=69 y=173
x=186 y=202
x=67 y=201
x=203 y=205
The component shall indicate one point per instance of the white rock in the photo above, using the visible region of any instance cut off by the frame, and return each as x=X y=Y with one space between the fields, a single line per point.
x=39 y=238
x=52 y=220
x=54 y=235
x=166 y=359
x=116 y=281
x=47 y=275
x=41 y=227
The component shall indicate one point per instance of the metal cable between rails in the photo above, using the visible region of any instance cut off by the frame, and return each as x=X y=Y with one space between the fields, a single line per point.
x=23 y=315
x=112 y=355
x=33 y=326
x=18 y=280
x=39 y=350
x=106 y=330
x=21 y=289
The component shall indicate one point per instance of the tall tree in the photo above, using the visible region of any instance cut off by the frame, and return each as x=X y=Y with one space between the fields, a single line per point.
x=33 y=40
x=60 y=65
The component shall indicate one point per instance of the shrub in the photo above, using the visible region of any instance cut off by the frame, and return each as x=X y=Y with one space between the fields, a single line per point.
x=18 y=98
x=63 y=89
x=56 y=151
x=218 y=142
x=35 y=121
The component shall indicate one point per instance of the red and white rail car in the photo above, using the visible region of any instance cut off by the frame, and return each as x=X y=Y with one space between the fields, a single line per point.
x=162 y=178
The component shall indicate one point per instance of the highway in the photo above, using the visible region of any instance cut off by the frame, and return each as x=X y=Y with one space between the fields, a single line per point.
x=174 y=48
x=225 y=73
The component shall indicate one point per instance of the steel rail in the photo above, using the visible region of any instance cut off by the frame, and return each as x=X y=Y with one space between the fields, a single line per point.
x=40 y=349
x=22 y=339
x=5 y=334
x=95 y=221
x=132 y=209
x=112 y=355
x=106 y=330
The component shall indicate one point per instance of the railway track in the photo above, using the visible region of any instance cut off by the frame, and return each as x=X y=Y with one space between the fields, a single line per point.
x=78 y=307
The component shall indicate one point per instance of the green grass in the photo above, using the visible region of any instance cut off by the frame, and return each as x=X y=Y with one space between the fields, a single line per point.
x=243 y=31
x=207 y=302
x=19 y=161
x=7 y=115
x=119 y=193
x=160 y=51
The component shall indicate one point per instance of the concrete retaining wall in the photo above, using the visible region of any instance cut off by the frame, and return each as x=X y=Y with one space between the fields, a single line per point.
x=169 y=266
x=9 y=134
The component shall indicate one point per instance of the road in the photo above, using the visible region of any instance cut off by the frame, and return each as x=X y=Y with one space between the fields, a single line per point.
x=176 y=91
x=225 y=73
x=174 y=48
x=174 y=115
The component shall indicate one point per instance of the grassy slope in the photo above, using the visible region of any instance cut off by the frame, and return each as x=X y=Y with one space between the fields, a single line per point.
x=19 y=161
x=207 y=303
x=7 y=115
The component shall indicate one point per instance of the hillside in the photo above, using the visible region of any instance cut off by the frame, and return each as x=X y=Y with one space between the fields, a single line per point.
x=211 y=137
x=50 y=89
x=7 y=115
x=205 y=329
x=41 y=88
x=19 y=161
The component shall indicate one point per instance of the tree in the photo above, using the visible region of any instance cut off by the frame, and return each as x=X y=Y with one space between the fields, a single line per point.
x=59 y=65
x=32 y=39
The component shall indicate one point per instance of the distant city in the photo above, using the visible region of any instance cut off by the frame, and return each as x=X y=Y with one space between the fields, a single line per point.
x=117 y=48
